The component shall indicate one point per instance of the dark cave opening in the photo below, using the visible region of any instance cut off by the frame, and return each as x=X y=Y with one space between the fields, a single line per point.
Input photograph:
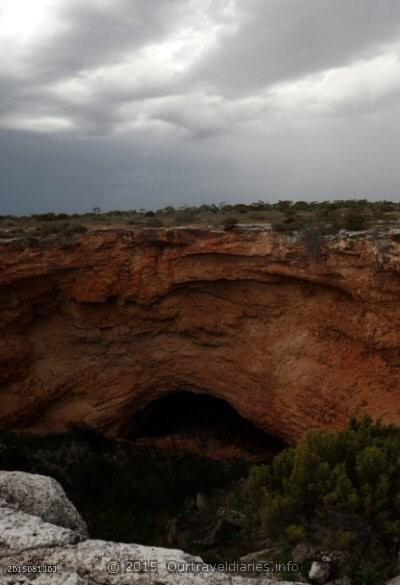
x=203 y=424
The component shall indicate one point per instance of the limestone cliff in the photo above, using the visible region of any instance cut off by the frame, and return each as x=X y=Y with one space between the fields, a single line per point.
x=95 y=328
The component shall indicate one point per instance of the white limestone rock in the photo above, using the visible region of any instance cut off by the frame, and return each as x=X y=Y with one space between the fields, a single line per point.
x=319 y=572
x=20 y=531
x=41 y=496
x=61 y=579
x=29 y=541
x=107 y=563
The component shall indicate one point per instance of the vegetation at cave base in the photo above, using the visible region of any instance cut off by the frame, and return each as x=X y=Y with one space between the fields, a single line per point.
x=336 y=491
x=125 y=494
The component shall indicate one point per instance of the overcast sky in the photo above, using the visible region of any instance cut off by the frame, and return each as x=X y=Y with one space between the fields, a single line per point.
x=144 y=103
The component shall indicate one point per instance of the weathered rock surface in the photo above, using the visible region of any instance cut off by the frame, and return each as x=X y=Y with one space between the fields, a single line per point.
x=319 y=572
x=27 y=542
x=95 y=561
x=51 y=579
x=342 y=581
x=304 y=551
x=95 y=329
x=20 y=531
x=40 y=496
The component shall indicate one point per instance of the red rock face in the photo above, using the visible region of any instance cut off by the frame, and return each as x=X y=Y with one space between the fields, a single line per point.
x=92 y=331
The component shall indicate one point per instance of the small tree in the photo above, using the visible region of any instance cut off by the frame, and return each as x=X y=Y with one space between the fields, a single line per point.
x=354 y=220
x=153 y=222
x=184 y=217
x=230 y=223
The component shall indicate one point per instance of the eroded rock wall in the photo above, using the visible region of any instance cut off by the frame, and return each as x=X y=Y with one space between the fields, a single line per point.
x=94 y=329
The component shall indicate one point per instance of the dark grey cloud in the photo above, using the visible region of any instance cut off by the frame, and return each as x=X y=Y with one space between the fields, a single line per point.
x=131 y=103
x=97 y=33
x=52 y=174
x=282 y=39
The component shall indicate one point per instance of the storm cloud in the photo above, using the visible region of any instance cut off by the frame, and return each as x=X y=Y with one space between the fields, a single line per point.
x=138 y=104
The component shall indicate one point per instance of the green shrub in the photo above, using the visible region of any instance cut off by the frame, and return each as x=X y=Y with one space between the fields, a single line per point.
x=369 y=573
x=153 y=222
x=52 y=228
x=347 y=483
x=78 y=228
x=229 y=223
x=136 y=220
x=55 y=228
x=258 y=216
x=288 y=226
x=46 y=216
x=296 y=533
x=354 y=471
x=184 y=217
x=354 y=220
x=283 y=205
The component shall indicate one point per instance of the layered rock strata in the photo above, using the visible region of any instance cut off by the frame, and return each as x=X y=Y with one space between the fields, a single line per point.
x=294 y=335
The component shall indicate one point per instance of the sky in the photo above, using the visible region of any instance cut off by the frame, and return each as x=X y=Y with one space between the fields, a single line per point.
x=128 y=104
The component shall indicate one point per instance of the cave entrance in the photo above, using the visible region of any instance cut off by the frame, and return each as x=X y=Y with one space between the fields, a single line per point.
x=203 y=424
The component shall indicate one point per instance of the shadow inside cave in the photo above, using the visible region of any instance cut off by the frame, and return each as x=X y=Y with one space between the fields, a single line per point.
x=203 y=424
